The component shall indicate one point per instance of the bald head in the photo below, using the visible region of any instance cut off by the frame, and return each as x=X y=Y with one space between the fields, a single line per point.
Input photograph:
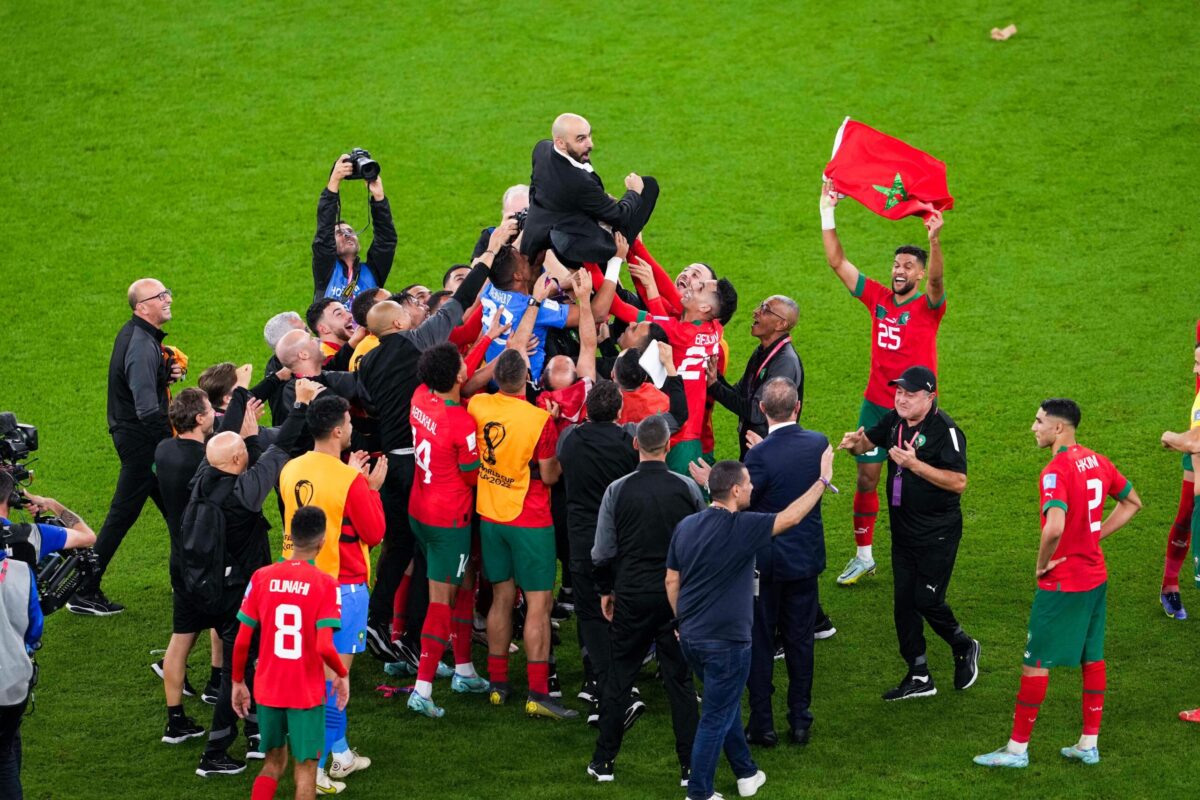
x=560 y=373
x=780 y=401
x=387 y=318
x=573 y=135
x=226 y=452
x=296 y=350
x=150 y=300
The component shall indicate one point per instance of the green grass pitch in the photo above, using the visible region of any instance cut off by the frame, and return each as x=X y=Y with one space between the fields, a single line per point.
x=190 y=141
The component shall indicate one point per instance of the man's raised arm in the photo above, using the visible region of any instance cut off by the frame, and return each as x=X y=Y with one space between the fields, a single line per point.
x=935 y=285
x=846 y=272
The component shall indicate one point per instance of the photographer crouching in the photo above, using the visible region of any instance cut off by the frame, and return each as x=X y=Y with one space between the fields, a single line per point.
x=23 y=546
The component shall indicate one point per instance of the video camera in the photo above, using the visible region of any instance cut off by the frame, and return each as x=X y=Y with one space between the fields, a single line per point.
x=59 y=575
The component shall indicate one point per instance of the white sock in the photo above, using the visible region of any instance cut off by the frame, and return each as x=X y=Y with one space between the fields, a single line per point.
x=864 y=553
x=467 y=670
x=1088 y=742
x=1017 y=748
x=424 y=688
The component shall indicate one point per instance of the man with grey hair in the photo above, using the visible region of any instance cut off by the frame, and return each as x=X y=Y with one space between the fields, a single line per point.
x=278 y=325
x=775 y=357
x=512 y=206
x=569 y=209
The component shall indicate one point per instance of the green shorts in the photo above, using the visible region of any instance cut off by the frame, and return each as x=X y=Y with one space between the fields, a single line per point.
x=1187 y=462
x=301 y=729
x=1066 y=629
x=446 y=550
x=869 y=415
x=709 y=458
x=526 y=555
x=682 y=454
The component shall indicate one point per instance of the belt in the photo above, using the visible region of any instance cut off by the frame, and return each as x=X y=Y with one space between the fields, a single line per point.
x=401 y=451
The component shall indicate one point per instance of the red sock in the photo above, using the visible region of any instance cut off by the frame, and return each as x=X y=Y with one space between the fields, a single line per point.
x=399 y=603
x=539 y=676
x=866 y=508
x=435 y=637
x=264 y=788
x=1094 y=682
x=1179 y=538
x=461 y=625
x=498 y=668
x=1029 y=700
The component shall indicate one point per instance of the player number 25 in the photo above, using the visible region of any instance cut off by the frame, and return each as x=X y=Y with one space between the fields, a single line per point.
x=888 y=337
x=288 y=621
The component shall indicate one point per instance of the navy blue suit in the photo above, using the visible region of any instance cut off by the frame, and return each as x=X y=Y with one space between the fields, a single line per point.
x=782 y=467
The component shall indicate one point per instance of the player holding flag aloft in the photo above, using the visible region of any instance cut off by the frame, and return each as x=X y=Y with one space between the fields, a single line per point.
x=904 y=326
x=1066 y=623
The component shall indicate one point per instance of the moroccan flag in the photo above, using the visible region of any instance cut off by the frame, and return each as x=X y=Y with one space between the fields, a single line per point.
x=886 y=175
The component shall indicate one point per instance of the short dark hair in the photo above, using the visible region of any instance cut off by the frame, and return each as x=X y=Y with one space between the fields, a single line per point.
x=437 y=298
x=504 y=268
x=510 y=371
x=628 y=372
x=657 y=333
x=406 y=289
x=313 y=315
x=185 y=407
x=727 y=300
x=218 y=381
x=452 y=270
x=604 y=401
x=913 y=250
x=779 y=398
x=653 y=434
x=308 y=526
x=360 y=305
x=326 y=413
x=438 y=367
x=7 y=484
x=1064 y=409
x=723 y=477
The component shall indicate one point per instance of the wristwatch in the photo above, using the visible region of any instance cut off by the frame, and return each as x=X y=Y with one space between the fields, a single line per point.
x=296 y=406
x=533 y=302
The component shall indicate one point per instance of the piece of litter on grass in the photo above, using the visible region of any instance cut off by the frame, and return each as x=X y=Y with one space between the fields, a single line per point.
x=1001 y=34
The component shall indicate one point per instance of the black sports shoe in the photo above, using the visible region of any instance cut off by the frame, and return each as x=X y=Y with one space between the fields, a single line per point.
x=685 y=774
x=966 y=666
x=379 y=642
x=93 y=604
x=254 y=747
x=560 y=613
x=590 y=693
x=602 y=771
x=180 y=729
x=779 y=654
x=219 y=764
x=635 y=710
x=824 y=629
x=407 y=650
x=912 y=686
x=210 y=692
x=566 y=599
x=188 y=689
x=555 y=690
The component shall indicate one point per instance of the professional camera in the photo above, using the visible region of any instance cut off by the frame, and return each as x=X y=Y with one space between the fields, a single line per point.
x=365 y=167
x=520 y=217
x=17 y=441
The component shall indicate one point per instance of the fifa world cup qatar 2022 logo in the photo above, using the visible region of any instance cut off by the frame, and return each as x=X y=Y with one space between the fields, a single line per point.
x=493 y=435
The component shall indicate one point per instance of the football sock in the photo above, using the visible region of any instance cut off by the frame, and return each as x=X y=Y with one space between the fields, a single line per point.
x=1179 y=538
x=864 y=553
x=1094 y=681
x=498 y=668
x=1029 y=702
x=460 y=631
x=399 y=604
x=539 y=676
x=335 y=725
x=175 y=712
x=866 y=508
x=264 y=788
x=435 y=636
x=214 y=676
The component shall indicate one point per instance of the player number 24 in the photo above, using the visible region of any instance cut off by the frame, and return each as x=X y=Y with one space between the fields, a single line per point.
x=288 y=621
x=421 y=456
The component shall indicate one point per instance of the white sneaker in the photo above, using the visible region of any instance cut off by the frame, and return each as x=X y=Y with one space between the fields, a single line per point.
x=748 y=787
x=327 y=786
x=347 y=763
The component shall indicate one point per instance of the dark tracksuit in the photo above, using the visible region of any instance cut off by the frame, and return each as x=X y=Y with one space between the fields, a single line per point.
x=633 y=532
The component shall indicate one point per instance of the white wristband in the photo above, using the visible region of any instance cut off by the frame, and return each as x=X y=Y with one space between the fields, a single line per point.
x=827 y=223
x=613 y=271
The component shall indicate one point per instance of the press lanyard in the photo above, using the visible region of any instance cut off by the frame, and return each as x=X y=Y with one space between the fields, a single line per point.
x=896 y=482
x=762 y=368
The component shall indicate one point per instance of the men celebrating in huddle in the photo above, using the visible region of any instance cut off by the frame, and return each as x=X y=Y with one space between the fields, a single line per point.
x=904 y=333
x=1066 y=623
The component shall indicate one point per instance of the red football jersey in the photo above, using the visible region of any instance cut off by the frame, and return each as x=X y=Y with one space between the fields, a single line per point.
x=287 y=602
x=692 y=343
x=902 y=335
x=1077 y=480
x=444 y=449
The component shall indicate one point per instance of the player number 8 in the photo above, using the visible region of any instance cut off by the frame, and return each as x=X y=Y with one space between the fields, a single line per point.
x=288 y=620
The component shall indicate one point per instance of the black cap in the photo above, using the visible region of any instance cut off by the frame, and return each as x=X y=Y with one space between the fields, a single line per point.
x=916 y=379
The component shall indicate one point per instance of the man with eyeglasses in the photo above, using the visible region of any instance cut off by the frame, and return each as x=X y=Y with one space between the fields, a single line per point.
x=337 y=270
x=138 y=377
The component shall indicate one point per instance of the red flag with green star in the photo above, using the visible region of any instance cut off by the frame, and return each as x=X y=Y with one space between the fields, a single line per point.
x=886 y=175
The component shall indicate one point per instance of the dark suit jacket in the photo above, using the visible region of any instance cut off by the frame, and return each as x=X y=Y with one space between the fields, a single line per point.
x=782 y=467
x=565 y=204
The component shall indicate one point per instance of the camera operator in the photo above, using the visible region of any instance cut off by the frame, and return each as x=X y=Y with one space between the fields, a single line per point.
x=337 y=272
x=513 y=205
x=138 y=375
x=21 y=619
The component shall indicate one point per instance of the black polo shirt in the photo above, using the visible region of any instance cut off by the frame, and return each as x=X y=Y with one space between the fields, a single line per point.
x=923 y=514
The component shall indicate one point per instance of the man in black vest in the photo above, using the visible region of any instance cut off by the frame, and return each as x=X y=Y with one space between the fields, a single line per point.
x=567 y=201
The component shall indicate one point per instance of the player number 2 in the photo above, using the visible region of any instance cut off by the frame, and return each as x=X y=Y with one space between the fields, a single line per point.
x=288 y=621
x=888 y=337
x=421 y=456
x=1095 y=500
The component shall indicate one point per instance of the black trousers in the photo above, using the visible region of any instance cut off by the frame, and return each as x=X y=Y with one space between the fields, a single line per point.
x=224 y=729
x=638 y=621
x=562 y=547
x=921 y=576
x=10 y=750
x=399 y=544
x=789 y=608
x=135 y=483
x=590 y=624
